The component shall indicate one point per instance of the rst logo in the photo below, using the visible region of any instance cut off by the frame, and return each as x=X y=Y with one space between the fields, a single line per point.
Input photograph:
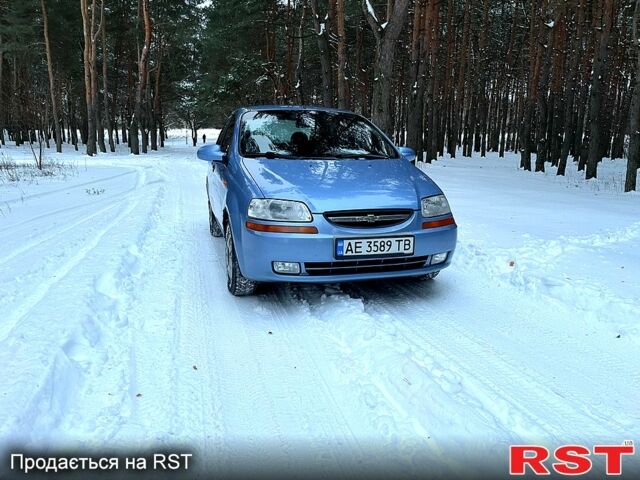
x=567 y=459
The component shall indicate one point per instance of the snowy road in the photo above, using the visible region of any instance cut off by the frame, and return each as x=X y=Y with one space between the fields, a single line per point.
x=117 y=328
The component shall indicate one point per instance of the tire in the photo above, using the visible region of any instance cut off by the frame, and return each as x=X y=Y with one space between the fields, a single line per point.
x=237 y=284
x=214 y=225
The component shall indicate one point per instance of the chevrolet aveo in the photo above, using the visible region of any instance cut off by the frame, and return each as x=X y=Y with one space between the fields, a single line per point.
x=306 y=194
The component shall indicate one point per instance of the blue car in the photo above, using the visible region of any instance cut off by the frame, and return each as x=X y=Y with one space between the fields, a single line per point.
x=309 y=194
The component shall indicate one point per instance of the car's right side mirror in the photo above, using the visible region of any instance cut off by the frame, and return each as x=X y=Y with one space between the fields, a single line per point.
x=211 y=153
x=409 y=154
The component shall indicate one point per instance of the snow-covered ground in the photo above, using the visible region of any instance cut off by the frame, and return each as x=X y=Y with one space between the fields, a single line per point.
x=117 y=329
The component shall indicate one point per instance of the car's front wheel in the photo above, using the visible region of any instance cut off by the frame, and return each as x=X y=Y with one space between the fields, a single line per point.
x=237 y=284
x=214 y=225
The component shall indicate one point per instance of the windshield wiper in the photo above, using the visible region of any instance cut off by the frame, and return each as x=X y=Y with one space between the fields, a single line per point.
x=371 y=156
x=267 y=155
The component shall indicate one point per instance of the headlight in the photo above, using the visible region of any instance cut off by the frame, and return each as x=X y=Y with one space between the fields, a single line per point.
x=279 y=210
x=435 y=206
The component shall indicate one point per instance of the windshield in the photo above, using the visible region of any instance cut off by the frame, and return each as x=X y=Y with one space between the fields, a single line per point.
x=311 y=134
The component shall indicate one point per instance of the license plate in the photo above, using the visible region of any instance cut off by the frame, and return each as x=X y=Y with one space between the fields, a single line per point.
x=358 y=247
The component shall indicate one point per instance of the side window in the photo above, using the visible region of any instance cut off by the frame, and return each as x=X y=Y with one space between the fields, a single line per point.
x=224 y=140
x=223 y=132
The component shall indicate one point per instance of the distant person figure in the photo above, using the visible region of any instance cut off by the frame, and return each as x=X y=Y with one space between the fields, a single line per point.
x=204 y=138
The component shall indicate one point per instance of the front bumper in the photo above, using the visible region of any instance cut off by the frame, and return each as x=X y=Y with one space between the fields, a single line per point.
x=257 y=250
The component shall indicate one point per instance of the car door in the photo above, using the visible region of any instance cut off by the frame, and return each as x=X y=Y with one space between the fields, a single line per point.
x=218 y=174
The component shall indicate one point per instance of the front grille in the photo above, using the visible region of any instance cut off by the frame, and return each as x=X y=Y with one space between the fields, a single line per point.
x=368 y=218
x=350 y=267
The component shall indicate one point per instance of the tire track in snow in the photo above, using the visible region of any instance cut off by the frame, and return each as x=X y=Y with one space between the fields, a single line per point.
x=162 y=322
x=103 y=395
x=111 y=388
x=39 y=292
x=21 y=276
x=448 y=342
x=323 y=411
x=466 y=411
x=81 y=349
x=54 y=233
x=161 y=342
x=286 y=419
x=233 y=373
x=199 y=421
x=24 y=198
x=14 y=229
x=370 y=359
x=249 y=409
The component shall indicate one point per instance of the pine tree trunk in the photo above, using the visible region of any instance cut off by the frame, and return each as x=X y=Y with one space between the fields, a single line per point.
x=161 y=127
x=507 y=84
x=99 y=127
x=105 y=84
x=415 y=94
x=458 y=114
x=558 y=105
x=534 y=67
x=94 y=76
x=579 y=123
x=322 y=37
x=124 y=131
x=595 y=97
x=433 y=84
x=386 y=39
x=146 y=115
x=633 y=160
x=545 y=56
x=52 y=90
x=357 y=83
x=535 y=59
x=481 y=121
x=136 y=121
x=342 y=57
x=151 y=121
x=73 y=126
x=88 y=25
x=300 y=97
x=569 y=127
x=448 y=83
x=156 y=106
x=44 y=130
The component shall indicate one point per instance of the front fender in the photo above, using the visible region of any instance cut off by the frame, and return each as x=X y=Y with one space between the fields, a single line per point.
x=241 y=190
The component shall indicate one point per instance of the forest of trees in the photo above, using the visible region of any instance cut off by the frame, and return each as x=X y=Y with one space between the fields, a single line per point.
x=555 y=81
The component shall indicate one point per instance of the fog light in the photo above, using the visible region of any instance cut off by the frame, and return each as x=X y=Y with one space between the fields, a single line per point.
x=439 y=258
x=286 y=268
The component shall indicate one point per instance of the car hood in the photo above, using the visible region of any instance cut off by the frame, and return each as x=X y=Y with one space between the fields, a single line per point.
x=326 y=185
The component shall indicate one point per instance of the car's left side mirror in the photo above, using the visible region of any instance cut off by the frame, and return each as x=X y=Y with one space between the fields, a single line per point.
x=211 y=153
x=409 y=154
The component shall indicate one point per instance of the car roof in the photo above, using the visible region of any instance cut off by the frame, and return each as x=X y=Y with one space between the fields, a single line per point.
x=295 y=107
